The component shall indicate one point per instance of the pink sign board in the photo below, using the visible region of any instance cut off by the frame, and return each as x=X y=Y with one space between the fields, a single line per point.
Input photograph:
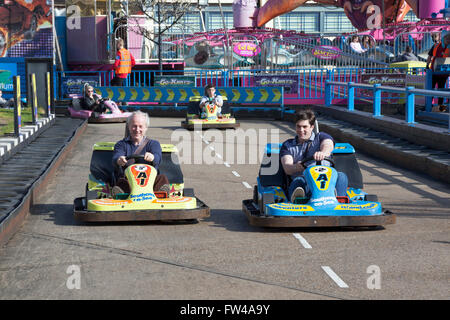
x=246 y=49
x=326 y=52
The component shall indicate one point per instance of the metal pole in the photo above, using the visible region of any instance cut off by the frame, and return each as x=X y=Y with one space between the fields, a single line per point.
x=376 y=100
x=409 y=105
x=159 y=39
x=226 y=36
x=351 y=96
x=17 y=107
x=48 y=93
x=34 y=107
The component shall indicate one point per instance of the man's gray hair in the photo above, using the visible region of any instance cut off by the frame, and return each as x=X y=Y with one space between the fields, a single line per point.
x=139 y=114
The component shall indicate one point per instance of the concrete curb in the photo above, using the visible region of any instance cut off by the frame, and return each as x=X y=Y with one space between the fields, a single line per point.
x=12 y=223
x=11 y=145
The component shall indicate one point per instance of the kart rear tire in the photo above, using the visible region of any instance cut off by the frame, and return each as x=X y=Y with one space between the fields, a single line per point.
x=267 y=198
x=188 y=192
x=371 y=197
x=255 y=194
x=90 y=194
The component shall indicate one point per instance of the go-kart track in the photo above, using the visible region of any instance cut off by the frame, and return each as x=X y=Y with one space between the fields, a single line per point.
x=223 y=256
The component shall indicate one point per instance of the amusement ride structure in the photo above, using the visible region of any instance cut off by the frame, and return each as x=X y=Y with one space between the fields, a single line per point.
x=249 y=45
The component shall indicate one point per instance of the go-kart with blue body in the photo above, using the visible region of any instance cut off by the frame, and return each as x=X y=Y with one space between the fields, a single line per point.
x=271 y=207
x=142 y=203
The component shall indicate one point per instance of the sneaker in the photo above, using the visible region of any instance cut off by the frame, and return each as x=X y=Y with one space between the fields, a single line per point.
x=116 y=190
x=298 y=193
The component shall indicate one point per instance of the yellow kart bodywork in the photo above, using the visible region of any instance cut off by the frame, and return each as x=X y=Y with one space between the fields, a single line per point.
x=142 y=203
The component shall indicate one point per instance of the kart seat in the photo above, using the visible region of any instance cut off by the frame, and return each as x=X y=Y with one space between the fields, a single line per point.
x=101 y=166
x=271 y=172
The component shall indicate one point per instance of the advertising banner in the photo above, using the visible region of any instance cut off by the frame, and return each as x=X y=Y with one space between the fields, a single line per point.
x=288 y=81
x=74 y=84
x=175 y=81
x=7 y=72
x=26 y=28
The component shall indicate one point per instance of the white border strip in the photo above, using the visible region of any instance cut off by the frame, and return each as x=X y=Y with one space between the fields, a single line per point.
x=334 y=277
x=245 y=183
x=302 y=240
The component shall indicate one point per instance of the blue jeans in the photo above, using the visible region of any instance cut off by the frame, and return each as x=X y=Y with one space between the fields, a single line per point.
x=341 y=185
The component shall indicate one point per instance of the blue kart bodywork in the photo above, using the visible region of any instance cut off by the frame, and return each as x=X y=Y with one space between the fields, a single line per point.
x=271 y=206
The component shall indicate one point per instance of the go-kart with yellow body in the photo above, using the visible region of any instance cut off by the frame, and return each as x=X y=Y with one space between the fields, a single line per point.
x=209 y=117
x=142 y=203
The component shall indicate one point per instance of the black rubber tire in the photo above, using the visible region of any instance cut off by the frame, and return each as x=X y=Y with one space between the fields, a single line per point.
x=188 y=192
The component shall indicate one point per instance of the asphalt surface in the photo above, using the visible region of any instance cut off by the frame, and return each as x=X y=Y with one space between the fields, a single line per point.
x=223 y=257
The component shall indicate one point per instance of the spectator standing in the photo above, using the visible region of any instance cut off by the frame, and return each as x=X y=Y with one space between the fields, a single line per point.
x=441 y=49
x=122 y=65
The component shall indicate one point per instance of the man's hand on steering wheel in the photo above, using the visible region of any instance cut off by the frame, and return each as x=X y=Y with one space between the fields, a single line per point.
x=318 y=162
x=320 y=155
x=148 y=157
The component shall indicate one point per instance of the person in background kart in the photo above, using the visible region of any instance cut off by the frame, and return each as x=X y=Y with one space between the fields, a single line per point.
x=137 y=143
x=7 y=104
x=92 y=101
x=307 y=144
x=210 y=97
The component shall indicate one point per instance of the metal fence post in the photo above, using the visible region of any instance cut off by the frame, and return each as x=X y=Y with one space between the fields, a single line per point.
x=428 y=84
x=409 y=105
x=376 y=100
x=17 y=107
x=351 y=96
x=34 y=107
x=327 y=93
x=48 y=93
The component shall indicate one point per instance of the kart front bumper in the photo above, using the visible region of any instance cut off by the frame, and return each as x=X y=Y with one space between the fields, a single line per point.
x=256 y=219
x=82 y=214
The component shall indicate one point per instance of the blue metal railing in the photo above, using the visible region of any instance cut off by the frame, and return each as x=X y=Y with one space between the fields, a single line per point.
x=300 y=84
x=377 y=89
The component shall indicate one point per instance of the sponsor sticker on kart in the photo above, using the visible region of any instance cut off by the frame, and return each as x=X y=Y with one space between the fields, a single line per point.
x=111 y=202
x=291 y=207
x=173 y=200
x=356 y=207
x=142 y=196
x=141 y=174
x=321 y=176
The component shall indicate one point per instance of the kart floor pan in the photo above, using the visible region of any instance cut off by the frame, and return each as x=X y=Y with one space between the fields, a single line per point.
x=188 y=126
x=255 y=219
x=81 y=214
x=107 y=120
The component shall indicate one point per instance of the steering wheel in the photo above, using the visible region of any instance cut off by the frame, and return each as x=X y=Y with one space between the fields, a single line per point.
x=318 y=162
x=137 y=157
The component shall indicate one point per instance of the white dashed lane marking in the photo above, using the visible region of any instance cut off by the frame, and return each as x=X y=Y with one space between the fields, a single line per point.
x=302 y=240
x=334 y=277
x=245 y=183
